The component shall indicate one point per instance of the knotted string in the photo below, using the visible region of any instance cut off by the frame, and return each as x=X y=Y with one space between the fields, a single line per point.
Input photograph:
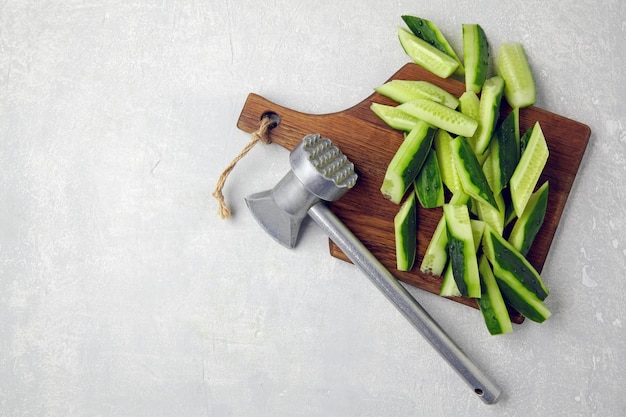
x=260 y=135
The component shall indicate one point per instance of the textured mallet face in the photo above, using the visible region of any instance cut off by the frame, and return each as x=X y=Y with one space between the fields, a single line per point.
x=322 y=168
x=329 y=161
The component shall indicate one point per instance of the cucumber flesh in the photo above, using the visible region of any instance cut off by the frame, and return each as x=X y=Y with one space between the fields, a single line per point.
x=488 y=113
x=407 y=162
x=405 y=226
x=448 y=285
x=491 y=303
x=429 y=32
x=475 y=56
x=443 y=147
x=528 y=224
x=428 y=184
x=436 y=255
x=440 y=116
x=469 y=104
x=402 y=91
x=393 y=117
x=529 y=169
x=519 y=84
x=461 y=250
x=426 y=55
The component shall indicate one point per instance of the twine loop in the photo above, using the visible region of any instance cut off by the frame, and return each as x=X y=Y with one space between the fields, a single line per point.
x=260 y=135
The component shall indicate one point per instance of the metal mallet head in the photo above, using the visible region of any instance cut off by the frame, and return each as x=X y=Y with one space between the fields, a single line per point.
x=319 y=172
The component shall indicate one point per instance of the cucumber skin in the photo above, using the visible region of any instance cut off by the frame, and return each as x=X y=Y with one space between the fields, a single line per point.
x=428 y=185
x=407 y=162
x=527 y=226
x=429 y=32
x=491 y=303
x=507 y=261
x=505 y=150
x=476 y=56
x=405 y=226
x=472 y=176
x=462 y=254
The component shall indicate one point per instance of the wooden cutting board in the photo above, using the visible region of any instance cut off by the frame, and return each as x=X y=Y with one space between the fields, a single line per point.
x=370 y=144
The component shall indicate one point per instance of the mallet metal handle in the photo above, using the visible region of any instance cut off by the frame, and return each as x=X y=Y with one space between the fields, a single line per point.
x=404 y=301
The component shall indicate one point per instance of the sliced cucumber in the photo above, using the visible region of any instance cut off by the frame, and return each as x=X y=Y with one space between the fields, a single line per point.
x=491 y=303
x=407 y=162
x=475 y=56
x=519 y=84
x=447 y=168
x=488 y=113
x=407 y=90
x=428 y=184
x=523 y=142
x=508 y=261
x=529 y=169
x=394 y=118
x=426 y=55
x=405 y=226
x=440 y=116
x=448 y=285
x=436 y=255
x=469 y=104
x=461 y=250
x=528 y=224
x=504 y=151
x=429 y=32
x=470 y=172
x=494 y=217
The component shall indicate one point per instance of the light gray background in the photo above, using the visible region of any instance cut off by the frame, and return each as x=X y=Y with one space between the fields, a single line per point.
x=122 y=293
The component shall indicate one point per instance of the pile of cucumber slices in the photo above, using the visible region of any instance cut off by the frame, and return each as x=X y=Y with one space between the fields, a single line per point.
x=458 y=155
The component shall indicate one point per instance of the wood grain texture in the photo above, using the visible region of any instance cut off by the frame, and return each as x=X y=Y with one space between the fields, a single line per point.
x=370 y=144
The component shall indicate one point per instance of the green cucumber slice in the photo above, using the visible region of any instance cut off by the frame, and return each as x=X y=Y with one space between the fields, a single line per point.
x=426 y=55
x=470 y=172
x=523 y=142
x=519 y=84
x=504 y=151
x=469 y=104
x=491 y=303
x=461 y=250
x=443 y=147
x=475 y=56
x=396 y=119
x=529 y=169
x=402 y=91
x=488 y=113
x=528 y=224
x=405 y=226
x=407 y=162
x=429 y=32
x=448 y=285
x=522 y=300
x=440 y=116
x=509 y=262
x=428 y=184
x=436 y=255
